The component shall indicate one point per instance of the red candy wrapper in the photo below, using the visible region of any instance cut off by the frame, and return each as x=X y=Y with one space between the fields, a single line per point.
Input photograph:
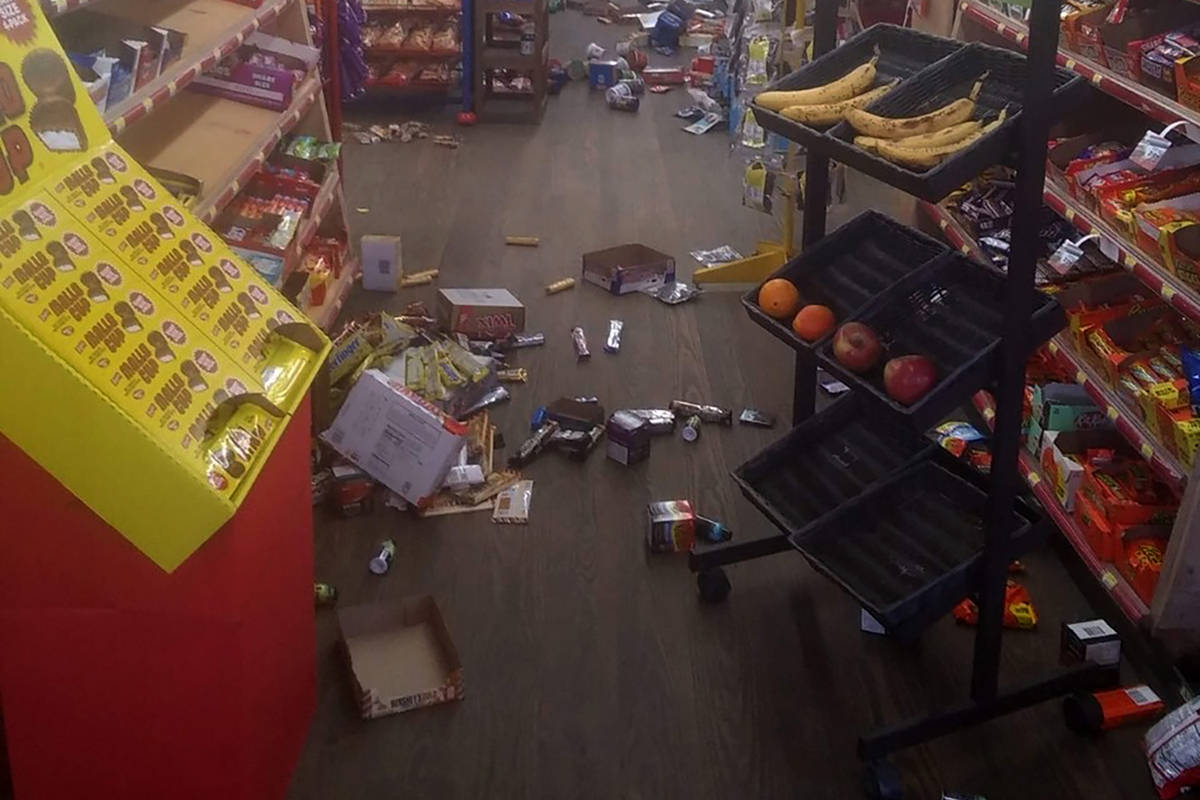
x=1019 y=612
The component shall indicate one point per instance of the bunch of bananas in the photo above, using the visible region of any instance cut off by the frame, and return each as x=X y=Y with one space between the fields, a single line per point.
x=829 y=104
x=924 y=141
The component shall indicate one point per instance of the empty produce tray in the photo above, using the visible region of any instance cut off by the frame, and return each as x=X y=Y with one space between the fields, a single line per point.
x=847 y=268
x=902 y=53
x=950 y=312
x=934 y=87
x=910 y=549
x=826 y=461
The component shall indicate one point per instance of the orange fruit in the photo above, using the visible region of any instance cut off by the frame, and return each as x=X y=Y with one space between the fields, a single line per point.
x=813 y=322
x=779 y=298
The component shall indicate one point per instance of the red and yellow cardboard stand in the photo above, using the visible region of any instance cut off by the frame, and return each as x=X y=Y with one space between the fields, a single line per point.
x=156 y=628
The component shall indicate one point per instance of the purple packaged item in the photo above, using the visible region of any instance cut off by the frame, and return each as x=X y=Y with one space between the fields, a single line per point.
x=264 y=71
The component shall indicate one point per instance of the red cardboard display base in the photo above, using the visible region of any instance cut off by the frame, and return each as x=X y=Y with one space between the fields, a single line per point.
x=118 y=680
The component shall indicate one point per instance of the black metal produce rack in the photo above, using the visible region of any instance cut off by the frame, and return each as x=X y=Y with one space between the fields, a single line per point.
x=858 y=460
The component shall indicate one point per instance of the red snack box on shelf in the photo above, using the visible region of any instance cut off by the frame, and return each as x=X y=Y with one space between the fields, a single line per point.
x=1118 y=194
x=1127 y=494
x=1151 y=219
x=1079 y=30
x=1142 y=561
x=1116 y=345
x=1105 y=543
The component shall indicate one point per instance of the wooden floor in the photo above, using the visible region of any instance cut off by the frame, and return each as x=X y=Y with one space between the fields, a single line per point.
x=591 y=669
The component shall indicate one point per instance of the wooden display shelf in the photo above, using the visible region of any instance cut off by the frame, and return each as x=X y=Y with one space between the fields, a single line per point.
x=1161 y=460
x=326 y=314
x=1106 y=574
x=506 y=58
x=221 y=142
x=1127 y=90
x=1144 y=266
x=214 y=28
x=513 y=6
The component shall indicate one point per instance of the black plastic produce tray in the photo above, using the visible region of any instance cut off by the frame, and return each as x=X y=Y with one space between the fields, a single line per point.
x=903 y=52
x=933 y=88
x=952 y=313
x=910 y=549
x=826 y=461
x=847 y=268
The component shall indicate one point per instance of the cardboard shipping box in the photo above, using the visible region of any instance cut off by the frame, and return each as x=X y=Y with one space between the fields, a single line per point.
x=628 y=268
x=382 y=263
x=400 y=656
x=480 y=313
x=396 y=437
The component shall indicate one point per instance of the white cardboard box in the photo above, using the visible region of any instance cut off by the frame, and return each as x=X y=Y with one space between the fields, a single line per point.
x=396 y=437
x=382 y=263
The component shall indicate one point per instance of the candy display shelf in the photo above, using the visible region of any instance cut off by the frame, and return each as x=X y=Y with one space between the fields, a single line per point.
x=220 y=142
x=417 y=55
x=1150 y=102
x=384 y=8
x=1106 y=574
x=214 y=29
x=1165 y=465
x=1162 y=461
x=1145 y=267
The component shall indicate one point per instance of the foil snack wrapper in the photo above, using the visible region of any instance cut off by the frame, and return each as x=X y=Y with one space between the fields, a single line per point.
x=612 y=344
x=711 y=414
x=658 y=420
x=579 y=340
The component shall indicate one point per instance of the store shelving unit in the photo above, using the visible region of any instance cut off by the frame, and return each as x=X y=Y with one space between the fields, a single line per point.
x=221 y=142
x=1126 y=419
x=872 y=543
x=1150 y=102
x=494 y=52
x=55 y=7
x=1105 y=574
x=417 y=12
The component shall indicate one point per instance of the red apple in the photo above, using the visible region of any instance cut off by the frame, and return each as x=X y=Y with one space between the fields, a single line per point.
x=856 y=347
x=909 y=378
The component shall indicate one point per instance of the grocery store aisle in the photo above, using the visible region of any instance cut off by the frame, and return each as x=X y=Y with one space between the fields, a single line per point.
x=590 y=668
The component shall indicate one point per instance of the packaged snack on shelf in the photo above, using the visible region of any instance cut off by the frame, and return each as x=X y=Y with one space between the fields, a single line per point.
x=1101 y=535
x=1081 y=32
x=1128 y=494
x=1144 y=549
x=141 y=52
x=1152 y=219
x=265 y=71
x=1158 y=62
x=1064 y=454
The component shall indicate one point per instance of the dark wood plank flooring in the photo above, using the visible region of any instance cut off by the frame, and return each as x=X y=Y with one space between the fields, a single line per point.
x=591 y=669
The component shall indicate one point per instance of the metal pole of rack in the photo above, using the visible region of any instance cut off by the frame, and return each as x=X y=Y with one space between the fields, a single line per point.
x=1034 y=130
x=815 y=199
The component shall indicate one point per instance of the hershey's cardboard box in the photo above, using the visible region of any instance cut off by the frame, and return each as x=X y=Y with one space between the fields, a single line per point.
x=396 y=437
x=628 y=268
x=480 y=313
x=382 y=263
x=400 y=655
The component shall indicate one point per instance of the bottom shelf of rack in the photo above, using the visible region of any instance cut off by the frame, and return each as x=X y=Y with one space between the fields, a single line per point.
x=1111 y=580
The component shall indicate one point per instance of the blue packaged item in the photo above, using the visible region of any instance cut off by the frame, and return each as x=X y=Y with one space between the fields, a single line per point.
x=539 y=418
x=682 y=9
x=1191 y=371
x=667 y=30
x=602 y=74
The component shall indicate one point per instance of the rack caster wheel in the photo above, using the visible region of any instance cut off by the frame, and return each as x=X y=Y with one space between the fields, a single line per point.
x=713 y=584
x=882 y=781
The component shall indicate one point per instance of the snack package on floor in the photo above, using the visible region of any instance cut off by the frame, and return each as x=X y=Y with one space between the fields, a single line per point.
x=512 y=504
x=1172 y=748
x=1019 y=613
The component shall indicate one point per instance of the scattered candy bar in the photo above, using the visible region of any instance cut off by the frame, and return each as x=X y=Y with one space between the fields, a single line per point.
x=579 y=340
x=560 y=286
x=613 y=343
x=512 y=504
x=752 y=416
x=712 y=414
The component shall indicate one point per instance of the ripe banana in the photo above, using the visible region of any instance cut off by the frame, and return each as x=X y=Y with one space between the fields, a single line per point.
x=831 y=113
x=854 y=82
x=927 y=157
x=952 y=113
x=945 y=136
x=868 y=143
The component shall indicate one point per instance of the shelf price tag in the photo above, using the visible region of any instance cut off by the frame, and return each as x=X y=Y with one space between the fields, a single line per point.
x=1109 y=579
x=1068 y=254
x=1110 y=250
x=1153 y=146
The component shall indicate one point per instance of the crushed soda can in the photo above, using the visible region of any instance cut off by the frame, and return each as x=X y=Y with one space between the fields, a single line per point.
x=713 y=414
x=691 y=428
x=382 y=562
x=579 y=340
x=612 y=344
x=324 y=594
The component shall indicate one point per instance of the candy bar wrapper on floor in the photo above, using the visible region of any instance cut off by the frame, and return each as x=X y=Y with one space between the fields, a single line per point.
x=512 y=504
